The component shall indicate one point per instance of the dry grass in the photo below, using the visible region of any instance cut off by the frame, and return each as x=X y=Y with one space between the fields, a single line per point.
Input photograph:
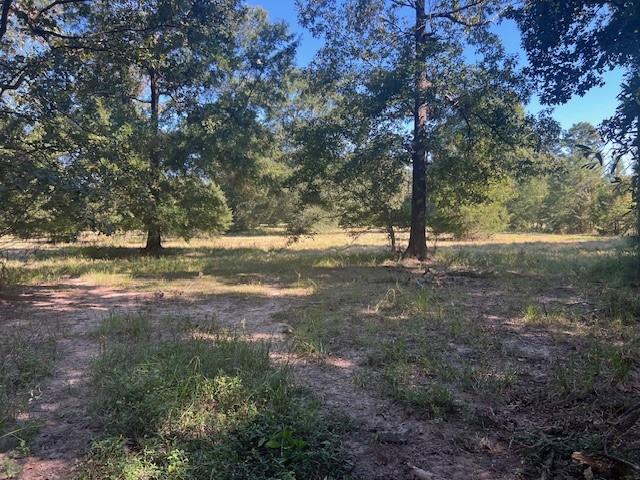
x=531 y=341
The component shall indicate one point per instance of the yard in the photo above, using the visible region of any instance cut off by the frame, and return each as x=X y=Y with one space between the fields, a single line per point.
x=248 y=357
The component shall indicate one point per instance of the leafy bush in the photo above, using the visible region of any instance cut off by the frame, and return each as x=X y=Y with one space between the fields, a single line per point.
x=473 y=220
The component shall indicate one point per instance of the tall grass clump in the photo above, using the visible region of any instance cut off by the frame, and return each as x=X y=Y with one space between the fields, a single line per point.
x=202 y=409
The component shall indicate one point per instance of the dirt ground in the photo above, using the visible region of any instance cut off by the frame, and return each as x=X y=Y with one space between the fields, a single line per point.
x=384 y=439
x=387 y=438
x=72 y=310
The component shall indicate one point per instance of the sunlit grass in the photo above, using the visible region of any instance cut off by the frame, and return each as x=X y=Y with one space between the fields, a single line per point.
x=192 y=408
x=485 y=319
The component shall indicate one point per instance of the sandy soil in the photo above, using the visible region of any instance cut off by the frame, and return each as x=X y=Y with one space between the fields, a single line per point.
x=385 y=438
x=72 y=311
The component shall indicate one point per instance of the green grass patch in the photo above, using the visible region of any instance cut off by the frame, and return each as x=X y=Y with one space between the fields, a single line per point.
x=131 y=327
x=196 y=409
x=26 y=359
x=599 y=368
x=434 y=399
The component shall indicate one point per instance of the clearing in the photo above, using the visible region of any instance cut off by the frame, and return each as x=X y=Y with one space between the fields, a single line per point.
x=511 y=358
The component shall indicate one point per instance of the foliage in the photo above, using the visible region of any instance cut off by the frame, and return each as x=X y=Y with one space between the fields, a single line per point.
x=571 y=44
x=150 y=116
x=575 y=195
x=361 y=180
x=368 y=67
x=198 y=409
x=527 y=207
x=474 y=220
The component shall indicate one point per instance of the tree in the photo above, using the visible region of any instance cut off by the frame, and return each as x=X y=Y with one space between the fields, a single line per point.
x=168 y=57
x=473 y=219
x=573 y=186
x=39 y=193
x=135 y=110
x=407 y=59
x=571 y=44
x=527 y=207
x=573 y=194
x=613 y=207
x=344 y=165
x=240 y=139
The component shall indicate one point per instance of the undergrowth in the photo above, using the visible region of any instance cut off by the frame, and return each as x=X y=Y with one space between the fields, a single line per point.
x=25 y=360
x=203 y=409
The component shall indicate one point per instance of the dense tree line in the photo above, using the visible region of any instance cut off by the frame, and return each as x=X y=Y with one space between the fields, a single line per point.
x=568 y=193
x=575 y=194
x=570 y=45
x=189 y=116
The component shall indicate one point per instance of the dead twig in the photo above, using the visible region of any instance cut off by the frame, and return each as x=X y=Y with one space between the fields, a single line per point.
x=628 y=419
x=547 y=466
x=419 y=473
x=608 y=465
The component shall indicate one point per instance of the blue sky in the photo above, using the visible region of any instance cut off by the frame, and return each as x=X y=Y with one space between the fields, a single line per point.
x=596 y=105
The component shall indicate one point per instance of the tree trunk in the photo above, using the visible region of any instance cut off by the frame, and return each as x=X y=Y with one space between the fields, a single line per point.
x=636 y=192
x=154 y=235
x=417 y=247
x=637 y=177
x=392 y=237
x=154 y=239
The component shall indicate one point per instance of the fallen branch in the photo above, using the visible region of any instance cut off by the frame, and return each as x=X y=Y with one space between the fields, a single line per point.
x=607 y=464
x=419 y=473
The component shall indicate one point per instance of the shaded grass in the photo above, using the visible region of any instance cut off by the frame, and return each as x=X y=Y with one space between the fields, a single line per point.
x=598 y=368
x=545 y=328
x=195 y=408
x=548 y=332
x=26 y=358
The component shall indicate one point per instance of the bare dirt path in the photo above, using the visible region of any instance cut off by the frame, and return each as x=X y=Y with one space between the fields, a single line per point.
x=384 y=437
x=70 y=311
x=386 y=440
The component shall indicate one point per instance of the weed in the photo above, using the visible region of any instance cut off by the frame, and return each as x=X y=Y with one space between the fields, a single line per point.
x=9 y=468
x=597 y=368
x=315 y=330
x=401 y=383
x=132 y=327
x=532 y=314
x=621 y=303
x=428 y=345
x=25 y=359
x=199 y=409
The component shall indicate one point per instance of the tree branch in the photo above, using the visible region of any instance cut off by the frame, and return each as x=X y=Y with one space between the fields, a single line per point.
x=4 y=18
x=54 y=4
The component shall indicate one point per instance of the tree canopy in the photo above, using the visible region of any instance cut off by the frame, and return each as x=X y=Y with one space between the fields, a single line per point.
x=187 y=117
x=571 y=44
x=137 y=114
x=396 y=64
